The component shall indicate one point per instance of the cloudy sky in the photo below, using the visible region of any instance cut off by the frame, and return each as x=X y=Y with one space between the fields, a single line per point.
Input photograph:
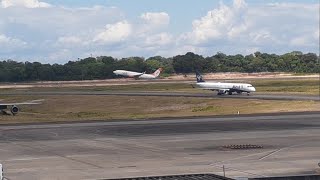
x=56 y=31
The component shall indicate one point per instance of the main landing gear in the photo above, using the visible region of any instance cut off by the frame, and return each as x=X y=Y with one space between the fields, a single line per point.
x=230 y=93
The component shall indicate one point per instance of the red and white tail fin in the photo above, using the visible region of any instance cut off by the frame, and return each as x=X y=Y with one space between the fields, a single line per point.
x=157 y=72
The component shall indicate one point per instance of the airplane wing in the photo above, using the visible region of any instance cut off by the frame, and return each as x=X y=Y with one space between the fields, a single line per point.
x=215 y=89
x=33 y=102
x=135 y=75
x=208 y=88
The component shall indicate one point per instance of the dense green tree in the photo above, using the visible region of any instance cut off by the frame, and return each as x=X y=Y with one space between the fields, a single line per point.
x=102 y=67
x=188 y=63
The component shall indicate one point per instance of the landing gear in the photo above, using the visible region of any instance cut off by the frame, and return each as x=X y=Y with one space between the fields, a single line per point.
x=221 y=92
x=230 y=92
x=248 y=94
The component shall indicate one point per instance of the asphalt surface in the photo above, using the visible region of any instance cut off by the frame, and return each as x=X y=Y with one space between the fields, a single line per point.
x=172 y=94
x=118 y=149
x=158 y=127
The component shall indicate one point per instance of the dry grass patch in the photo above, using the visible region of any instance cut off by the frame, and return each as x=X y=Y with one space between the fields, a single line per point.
x=295 y=86
x=77 y=108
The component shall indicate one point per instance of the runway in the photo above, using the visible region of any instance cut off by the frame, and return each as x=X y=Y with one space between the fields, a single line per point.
x=170 y=94
x=97 y=150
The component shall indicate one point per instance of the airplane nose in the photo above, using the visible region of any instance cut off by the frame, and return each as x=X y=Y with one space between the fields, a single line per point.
x=253 y=89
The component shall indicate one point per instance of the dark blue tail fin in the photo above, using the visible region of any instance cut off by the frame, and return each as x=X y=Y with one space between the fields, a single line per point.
x=199 y=77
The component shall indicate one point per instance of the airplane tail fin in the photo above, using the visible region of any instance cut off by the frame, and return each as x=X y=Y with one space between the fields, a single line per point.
x=157 y=72
x=199 y=77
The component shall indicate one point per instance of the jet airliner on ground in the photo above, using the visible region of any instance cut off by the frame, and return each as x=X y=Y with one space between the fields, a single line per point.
x=224 y=88
x=14 y=106
x=139 y=75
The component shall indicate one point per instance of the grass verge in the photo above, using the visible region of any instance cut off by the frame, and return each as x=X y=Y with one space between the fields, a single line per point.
x=77 y=108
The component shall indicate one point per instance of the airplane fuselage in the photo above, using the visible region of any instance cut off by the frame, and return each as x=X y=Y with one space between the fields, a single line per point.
x=127 y=73
x=138 y=75
x=147 y=76
x=226 y=87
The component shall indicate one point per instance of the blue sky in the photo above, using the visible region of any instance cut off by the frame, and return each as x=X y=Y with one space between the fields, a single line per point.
x=55 y=31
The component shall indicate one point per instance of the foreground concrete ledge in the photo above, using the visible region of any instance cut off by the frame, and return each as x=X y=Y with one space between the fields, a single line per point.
x=179 y=177
x=302 y=177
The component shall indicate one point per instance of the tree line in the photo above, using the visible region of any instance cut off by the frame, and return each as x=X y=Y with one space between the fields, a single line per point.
x=102 y=67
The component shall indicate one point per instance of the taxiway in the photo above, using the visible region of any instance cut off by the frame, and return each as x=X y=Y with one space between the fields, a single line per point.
x=97 y=150
x=169 y=94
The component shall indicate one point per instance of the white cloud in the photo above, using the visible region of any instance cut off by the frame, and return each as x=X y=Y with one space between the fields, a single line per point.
x=59 y=55
x=261 y=36
x=69 y=40
x=288 y=5
x=114 y=33
x=24 y=3
x=8 y=44
x=156 y=18
x=251 y=50
x=299 y=41
x=306 y=40
x=239 y=4
x=236 y=31
x=160 y=39
x=152 y=23
x=212 y=25
x=239 y=28
x=63 y=33
x=218 y=23
x=48 y=30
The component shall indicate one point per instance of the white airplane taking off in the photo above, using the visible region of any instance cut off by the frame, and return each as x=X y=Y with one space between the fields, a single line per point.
x=224 y=88
x=133 y=74
x=14 y=106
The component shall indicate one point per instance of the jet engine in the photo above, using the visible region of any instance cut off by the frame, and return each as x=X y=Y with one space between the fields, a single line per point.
x=222 y=91
x=14 y=110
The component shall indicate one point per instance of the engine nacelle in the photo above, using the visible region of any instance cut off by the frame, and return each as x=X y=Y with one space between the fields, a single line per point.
x=222 y=91
x=14 y=110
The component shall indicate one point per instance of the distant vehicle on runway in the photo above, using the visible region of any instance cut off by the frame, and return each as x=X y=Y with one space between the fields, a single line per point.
x=14 y=106
x=138 y=75
x=224 y=88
